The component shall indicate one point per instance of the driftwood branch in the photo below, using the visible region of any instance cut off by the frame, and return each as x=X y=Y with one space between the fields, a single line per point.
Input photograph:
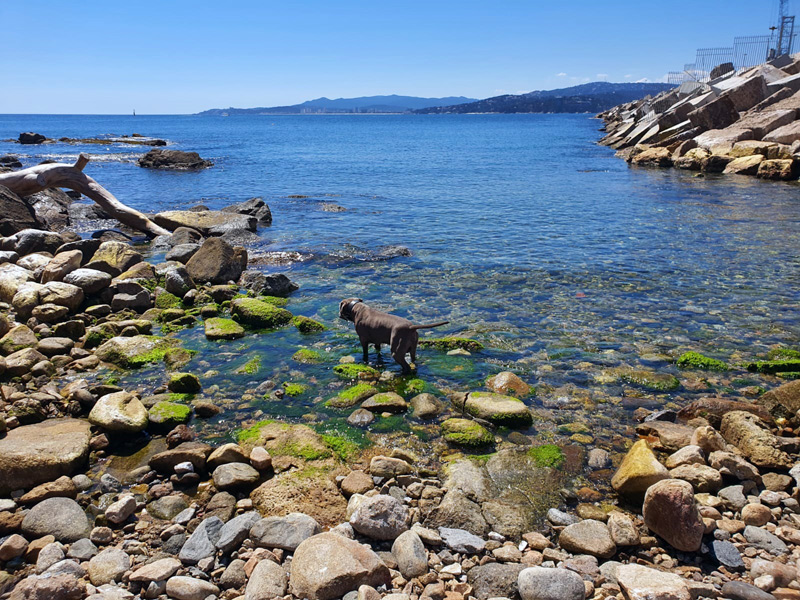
x=35 y=179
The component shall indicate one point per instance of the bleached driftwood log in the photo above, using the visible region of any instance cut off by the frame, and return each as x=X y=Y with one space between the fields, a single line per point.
x=35 y=179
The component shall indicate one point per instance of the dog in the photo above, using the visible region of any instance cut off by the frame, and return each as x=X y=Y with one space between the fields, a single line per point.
x=376 y=327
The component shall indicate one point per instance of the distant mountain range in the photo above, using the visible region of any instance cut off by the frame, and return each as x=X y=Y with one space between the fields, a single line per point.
x=589 y=97
x=364 y=104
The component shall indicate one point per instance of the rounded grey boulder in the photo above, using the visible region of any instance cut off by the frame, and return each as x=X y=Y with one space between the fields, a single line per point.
x=539 y=583
x=62 y=518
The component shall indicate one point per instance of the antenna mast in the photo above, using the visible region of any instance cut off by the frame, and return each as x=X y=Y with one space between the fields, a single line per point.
x=786 y=28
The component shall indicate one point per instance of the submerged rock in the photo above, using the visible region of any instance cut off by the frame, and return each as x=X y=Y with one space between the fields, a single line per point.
x=499 y=409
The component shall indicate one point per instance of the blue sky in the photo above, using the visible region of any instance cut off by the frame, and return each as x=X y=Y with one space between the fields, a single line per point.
x=178 y=56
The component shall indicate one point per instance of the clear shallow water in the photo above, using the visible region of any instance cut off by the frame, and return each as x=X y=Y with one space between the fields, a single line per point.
x=523 y=233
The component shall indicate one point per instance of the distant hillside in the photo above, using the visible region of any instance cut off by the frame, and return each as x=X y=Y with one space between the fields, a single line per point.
x=589 y=97
x=364 y=104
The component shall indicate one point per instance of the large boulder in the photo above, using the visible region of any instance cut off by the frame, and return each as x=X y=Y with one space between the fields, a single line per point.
x=782 y=401
x=119 y=412
x=31 y=137
x=670 y=511
x=754 y=439
x=15 y=213
x=61 y=294
x=173 y=159
x=217 y=262
x=639 y=470
x=327 y=566
x=284 y=532
x=781 y=169
x=380 y=517
x=51 y=206
x=118 y=257
x=91 y=281
x=717 y=114
x=135 y=351
x=274 y=284
x=63 y=518
x=11 y=279
x=254 y=207
x=35 y=454
x=207 y=222
x=61 y=265
x=787 y=134
x=28 y=241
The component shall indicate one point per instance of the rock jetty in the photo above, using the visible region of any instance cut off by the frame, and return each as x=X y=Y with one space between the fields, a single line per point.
x=739 y=123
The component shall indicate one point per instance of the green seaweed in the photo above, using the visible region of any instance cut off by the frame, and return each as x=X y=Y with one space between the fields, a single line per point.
x=465 y=432
x=446 y=344
x=548 y=455
x=783 y=354
x=352 y=396
x=307 y=356
x=307 y=325
x=251 y=434
x=295 y=389
x=251 y=367
x=695 y=360
x=166 y=300
x=343 y=440
x=773 y=366
x=258 y=314
x=274 y=300
x=354 y=371
x=410 y=386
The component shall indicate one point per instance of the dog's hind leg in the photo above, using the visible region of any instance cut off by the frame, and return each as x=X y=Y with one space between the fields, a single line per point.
x=365 y=346
x=379 y=358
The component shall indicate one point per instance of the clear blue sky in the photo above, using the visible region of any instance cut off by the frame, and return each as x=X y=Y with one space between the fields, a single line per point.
x=179 y=56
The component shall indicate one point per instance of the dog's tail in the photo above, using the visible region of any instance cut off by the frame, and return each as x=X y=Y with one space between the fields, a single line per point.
x=429 y=326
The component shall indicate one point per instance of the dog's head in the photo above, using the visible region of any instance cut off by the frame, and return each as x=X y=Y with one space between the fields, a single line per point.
x=346 y=308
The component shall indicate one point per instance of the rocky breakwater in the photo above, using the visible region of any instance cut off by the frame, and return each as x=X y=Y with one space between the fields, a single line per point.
x=743 y=123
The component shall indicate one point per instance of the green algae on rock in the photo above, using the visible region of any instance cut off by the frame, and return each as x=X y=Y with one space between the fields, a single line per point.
x=649 y=380
x=165 y=300
x=497 y=408
x=547 y=455
x=274 y=300
x=774 y=366
x=386 y=402
x=285 y=439
x=167 y=415
x=307 y=356
x=352 y=396
x=251 y=367
x=695 y=360
x=257 y=314
x=465 y=432
x=136 y=351
x=354 y=371
x=219 y=328
x=307 y=325
x=295 y=389
x=452 y=343
x=184 y=383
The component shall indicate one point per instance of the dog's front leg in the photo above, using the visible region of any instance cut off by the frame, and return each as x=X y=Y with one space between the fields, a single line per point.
x=365 y=347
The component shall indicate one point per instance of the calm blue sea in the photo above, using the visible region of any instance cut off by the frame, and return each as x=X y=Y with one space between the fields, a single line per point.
x=523 y=233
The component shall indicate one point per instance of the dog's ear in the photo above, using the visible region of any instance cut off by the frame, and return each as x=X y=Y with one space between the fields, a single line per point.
x=360 y=300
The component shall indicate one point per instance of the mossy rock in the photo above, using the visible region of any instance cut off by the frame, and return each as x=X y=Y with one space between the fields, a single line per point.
x=167 y=415
x=295 y=389
x=695 y=360
x=285 y=439
x=218 y=328
x=251 y=367
x=547 y=455
x=307 y=356
x=649 y=380
x=136 y=351
x=355 y=371
x=177 y=358
x=774 y=366
x=411 y=386
x=571 y=428
x=274 y=300
x=498 y=409
x=446 y=344
x=165 y=300
x=465 y=432
x=386 y=402
x=783 y=354
x=184 y=383
x=97 y=335
x=257 y=314
x=307 y=325
x=345 y=442
x=352 y=396
x=171 y=314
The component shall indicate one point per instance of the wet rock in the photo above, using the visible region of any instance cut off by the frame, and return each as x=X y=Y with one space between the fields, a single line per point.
x=119 y=412
x=539 y=583
x=509 y=384
x=178 y=282
x=158 y=158
x=217 y=262
x=218 y=328
x=275 y=284
x=588 y=537
x=750 y=435
x=385 y=402
x=15 y=214
x=286 y=532
x=108 y=566
x=713 y=409
x=31 y=138
x=182 y=252
x=255 y=207
x=62 y=518
x=39 y=453
x=409 y=552
x=670 y=511
x=115 y=257
x=267 y=581
x=639 y=470
x=328 y=565
x=496 y=408
x=643 y=583
x=189 y=588
x=425 y=407
x=380 y=517
x=202 y=543
x=360 y=417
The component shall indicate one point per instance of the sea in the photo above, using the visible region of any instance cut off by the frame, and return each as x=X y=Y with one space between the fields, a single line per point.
x=520 y=230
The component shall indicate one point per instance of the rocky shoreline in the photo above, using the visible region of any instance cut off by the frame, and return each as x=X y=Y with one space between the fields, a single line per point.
x=739 y=123
x=109 y=492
